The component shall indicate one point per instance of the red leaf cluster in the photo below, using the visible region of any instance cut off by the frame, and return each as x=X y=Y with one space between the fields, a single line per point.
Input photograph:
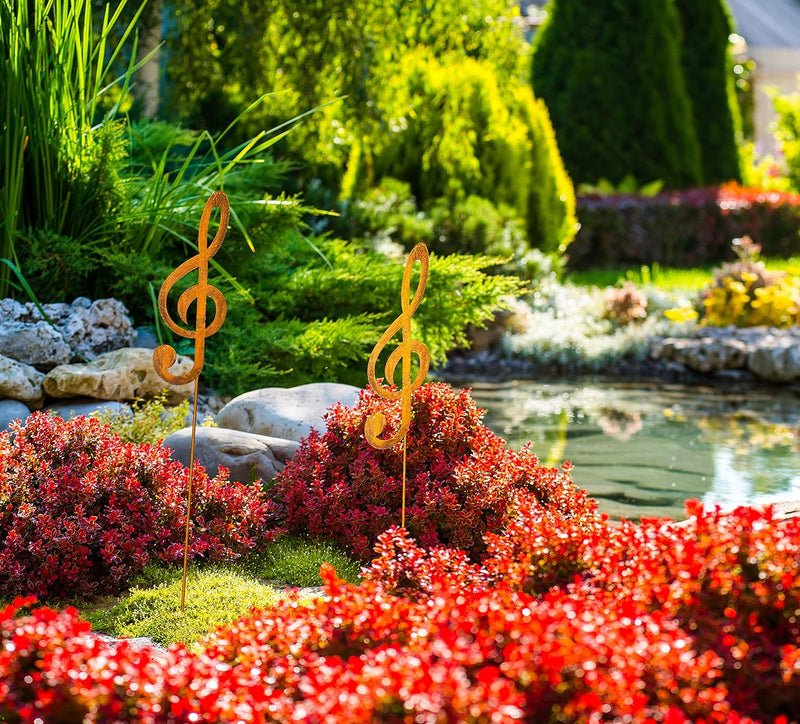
x=461 y=477
x=81 y=511
x=658 y=623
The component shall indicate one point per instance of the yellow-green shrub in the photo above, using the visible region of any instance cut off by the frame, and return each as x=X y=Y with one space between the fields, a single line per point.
x=458 y=129
x=150 y=421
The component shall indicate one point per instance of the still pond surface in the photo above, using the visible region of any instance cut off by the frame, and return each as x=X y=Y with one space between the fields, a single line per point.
x=642 y=450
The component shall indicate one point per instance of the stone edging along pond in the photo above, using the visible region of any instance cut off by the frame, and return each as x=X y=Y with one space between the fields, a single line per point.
x=759 y=355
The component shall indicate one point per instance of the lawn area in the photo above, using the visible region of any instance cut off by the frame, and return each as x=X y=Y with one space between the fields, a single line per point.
x=669 y=279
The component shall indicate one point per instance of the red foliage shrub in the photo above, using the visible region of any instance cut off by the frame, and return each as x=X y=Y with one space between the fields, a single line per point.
x=732 y=580
x=81 y=511
x=53 y=670
x=76 y=516
x=228 y=518
x=565 y=619
x=461 y=477
x=664 y=623
x=682 y=228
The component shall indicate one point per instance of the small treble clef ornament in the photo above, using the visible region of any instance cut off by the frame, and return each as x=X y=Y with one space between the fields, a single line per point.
x=198 y=294
x=165 y=356
x=376 y=423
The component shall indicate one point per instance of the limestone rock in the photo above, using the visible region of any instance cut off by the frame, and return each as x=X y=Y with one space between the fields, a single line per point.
x=22 y=382
x=705 y=354
x=287 y=413
x=102 y=326
x=11 y=410
x=123 y=374
x=36 y=344
x=79 y=331
x=86 y=406
x=247 y=456
x=776 y=364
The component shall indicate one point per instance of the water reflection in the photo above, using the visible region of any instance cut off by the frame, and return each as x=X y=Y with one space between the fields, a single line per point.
x=642 y=450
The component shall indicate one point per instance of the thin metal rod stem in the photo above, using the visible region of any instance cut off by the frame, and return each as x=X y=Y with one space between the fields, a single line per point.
x=189 y=497
x=403 y=509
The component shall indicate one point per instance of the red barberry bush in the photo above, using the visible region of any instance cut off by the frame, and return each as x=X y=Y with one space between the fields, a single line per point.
x=76 y=515
x=461 y=477
x=662 y=624
x=81 y=511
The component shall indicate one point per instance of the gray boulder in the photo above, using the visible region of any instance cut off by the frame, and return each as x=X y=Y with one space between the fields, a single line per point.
x=87 y=406
x=123 y=374
x=11 y=410
x=22 y=382
x=92 y=328
x=287 y=413
x=703 y=354
x=35 y=343
x=247 y=456
x=776 y=364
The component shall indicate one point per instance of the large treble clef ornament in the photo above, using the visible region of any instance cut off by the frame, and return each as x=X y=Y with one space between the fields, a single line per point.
x=376 y=423
x=165 y=356
x=198 y=294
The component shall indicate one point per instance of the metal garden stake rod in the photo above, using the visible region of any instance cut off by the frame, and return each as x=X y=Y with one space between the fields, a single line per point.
x=376 y=423
x=198 y=294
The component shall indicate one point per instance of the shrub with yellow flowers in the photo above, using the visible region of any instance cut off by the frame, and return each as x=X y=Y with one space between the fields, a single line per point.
x=745 y=293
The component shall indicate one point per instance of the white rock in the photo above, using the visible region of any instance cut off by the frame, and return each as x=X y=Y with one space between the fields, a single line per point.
x=102 y=326
x=123 y=374
x=287 y=413
x=22 y=382
x=248 y=457
x=775 y=364
x=79 y=331
x=706 y=354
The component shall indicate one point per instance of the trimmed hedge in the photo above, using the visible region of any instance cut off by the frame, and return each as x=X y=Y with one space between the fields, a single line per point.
x=682 y=229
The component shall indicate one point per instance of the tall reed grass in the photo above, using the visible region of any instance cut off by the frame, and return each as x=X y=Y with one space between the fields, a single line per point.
x=57 y=149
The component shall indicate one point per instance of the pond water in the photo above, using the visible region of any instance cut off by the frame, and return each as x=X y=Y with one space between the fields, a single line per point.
x=642 y=450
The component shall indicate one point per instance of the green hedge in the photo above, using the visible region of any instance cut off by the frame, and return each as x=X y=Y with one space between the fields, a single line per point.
x=682 y=229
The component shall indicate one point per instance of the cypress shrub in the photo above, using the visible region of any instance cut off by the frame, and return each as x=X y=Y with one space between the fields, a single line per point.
x=611 y=77
x=457 y=131
x=705 y=56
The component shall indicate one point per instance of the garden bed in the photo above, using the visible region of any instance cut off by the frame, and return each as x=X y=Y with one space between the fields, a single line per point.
x=507 y=598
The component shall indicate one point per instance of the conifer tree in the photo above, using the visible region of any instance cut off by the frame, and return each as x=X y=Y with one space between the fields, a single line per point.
x=705 y=56
x=610 y=74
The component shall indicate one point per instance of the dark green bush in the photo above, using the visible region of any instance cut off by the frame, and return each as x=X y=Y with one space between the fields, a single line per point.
x=706 y=61
x=611 y=77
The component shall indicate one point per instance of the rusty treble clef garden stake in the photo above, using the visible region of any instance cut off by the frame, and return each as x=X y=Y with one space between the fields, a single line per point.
x=376 y=423
x=165 y=356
